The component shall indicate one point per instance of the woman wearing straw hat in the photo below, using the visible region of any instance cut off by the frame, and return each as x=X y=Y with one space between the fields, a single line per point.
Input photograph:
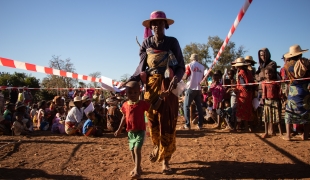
x=161 y=68
x=298 y=101
x=244 y=93
x=74 y=123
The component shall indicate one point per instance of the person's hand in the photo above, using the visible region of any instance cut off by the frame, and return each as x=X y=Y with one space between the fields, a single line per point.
x=164 y=94
x=118 y=132
x=173 y=83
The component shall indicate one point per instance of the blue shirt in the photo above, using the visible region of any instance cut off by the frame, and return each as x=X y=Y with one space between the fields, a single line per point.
x=88 y=123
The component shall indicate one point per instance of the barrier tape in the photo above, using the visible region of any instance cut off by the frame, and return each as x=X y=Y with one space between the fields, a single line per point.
x=47 y=70
x=279 y=81
x=230 y=33
x=41 y=88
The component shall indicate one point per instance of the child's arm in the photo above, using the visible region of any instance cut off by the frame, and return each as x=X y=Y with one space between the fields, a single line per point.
x=119 y=130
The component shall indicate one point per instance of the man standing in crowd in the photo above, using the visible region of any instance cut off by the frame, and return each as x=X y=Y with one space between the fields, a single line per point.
x=194 y=74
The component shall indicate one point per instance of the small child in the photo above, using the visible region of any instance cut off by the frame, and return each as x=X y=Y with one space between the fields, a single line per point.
x=217 y=91
x=271 y=99
x=19 y=126
x=133 y=115
x=88 y=128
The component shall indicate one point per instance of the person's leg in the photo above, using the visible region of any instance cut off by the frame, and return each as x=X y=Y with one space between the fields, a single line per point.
x=137 y=154
x=134 y=160
x=271 y=130
x=305 y=135
x=266 y=130
x=288 y=132
x=279 y=127
x=197 y=99
x=187 y=103
x=246 y=126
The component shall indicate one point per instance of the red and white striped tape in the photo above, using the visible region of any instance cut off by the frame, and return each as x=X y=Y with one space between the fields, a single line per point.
x=230 y=33
x=26 y=88
x=47 y=70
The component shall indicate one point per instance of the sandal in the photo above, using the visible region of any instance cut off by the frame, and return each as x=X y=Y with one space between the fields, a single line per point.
x=167 y=171
x=154 y=154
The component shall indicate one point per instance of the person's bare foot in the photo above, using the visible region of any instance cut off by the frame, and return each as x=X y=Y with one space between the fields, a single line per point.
x=135 y=173
x=265 y=135
x=166 y=168
x=286 y=138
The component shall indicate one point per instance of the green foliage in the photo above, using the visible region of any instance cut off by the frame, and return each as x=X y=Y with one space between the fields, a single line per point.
x=207 y=53
x=19 y=80
x=202 y=50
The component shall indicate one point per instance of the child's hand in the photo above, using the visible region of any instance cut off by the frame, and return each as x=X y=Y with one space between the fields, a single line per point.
x=164 y=94
x=118 y=132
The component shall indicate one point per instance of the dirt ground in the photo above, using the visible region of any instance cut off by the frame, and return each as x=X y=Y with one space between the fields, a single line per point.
x=206 y=154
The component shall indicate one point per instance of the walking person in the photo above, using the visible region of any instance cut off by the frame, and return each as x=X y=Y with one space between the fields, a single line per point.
x=161 y=68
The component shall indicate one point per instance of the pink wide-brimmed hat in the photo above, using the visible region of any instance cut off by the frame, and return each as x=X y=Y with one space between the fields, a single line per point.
x=157 y=15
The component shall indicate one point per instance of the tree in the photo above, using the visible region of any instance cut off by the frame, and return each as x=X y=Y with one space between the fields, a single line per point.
x=82 y=84
x=96 y=74
x=54 y=81
x=228 y=55
x=202 y=50
x=19 y=80
x=125 y=77
x=212 y=47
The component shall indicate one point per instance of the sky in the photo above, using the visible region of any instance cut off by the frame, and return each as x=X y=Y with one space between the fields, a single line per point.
x=99 y=35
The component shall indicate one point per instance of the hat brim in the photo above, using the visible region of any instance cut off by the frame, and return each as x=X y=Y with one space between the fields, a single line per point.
x=147 y=23
x=250 y=60
x=289 y=55
x=241 y=64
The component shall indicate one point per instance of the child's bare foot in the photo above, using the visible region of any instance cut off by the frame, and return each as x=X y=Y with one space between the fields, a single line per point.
x=135 y=173
x=286 y=138
x=264 y=136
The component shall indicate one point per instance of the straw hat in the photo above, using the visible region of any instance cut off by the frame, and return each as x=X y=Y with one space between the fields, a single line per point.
x=240 y=62
x=250 y=59
x=157 y=15
x=294 y=50
x=112 y=100
x=85 y=98
x=77 y=99
x=194 y=57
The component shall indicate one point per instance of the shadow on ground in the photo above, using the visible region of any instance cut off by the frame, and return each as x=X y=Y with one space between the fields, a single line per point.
x=243 y=170
x=18 y=173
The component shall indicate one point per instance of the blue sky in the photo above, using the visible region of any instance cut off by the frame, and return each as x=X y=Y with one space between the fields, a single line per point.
x=99 y=35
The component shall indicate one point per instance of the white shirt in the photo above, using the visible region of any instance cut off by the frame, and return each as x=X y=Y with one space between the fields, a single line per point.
x=195 y=72
x=74 y=115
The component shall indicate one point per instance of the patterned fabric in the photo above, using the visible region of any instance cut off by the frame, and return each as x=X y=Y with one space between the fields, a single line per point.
x=162 y=122
x=272 y=110
x=298 y=101
x=244 y=97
